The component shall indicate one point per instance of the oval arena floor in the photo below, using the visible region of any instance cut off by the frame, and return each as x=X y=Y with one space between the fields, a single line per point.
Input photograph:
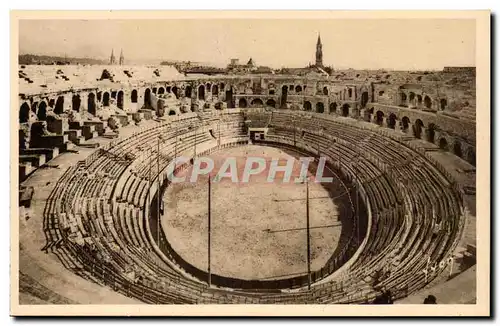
x=258 y=229
x=88 y=214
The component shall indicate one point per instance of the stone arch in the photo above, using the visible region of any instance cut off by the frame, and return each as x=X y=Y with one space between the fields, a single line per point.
x=76 y=102
x=215 y=89
x=147 y=98
x=208 y=87
x=405 y=124
x=242 y=103
x=42 y=111
x=172 y=112
x=105 y=99
x=369 y=114
x=431 y=132
x=443 y=144
x=155 y=90
x=99 y=97
x=201 y=92
x=364 y=99
x=119 y=100
x=36 y=133
x=175 y=91
x=24 y=113
x=160 y=109
x=91 y=105
x=229 y=97
x=379 y=118
x=325 y=90
x=471 y=156
x=34 y=107
x=402 y=97
x=333 y=107
x=345 y=110
x=417 y=128
x=298 y=89
x=59 y=108
x=320 y=107
x=271 y=103
x=391 y=121
x=427 y=102
x=443 y=103
x=222 y=87
x=188 y=91
x=161 y=90
x=169 y=89
x=257 y=103
x=307 y=106
x=412 y=98
x=52 y=102
x=284 y=95
x=457 y=148
x=419 y=99
x=133 y=96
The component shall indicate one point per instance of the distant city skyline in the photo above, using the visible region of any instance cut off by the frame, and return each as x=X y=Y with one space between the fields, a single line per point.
x=398 y=44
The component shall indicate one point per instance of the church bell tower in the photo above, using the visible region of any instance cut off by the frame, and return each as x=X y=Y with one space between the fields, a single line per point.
x=319 y=53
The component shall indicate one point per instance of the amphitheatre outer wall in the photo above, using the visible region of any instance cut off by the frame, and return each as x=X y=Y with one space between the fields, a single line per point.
x=421 y=113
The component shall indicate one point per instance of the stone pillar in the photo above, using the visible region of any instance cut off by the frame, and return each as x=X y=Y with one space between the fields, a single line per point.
x=127 y=99
x=397 y=125
x=409 y=130
x=423 y=134
x=437 y=135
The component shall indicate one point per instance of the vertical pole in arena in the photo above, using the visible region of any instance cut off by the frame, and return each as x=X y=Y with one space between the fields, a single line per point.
x=209 y=229
x=308 y=237
x=158 y=196
x=294 y=131
x=357 y=209
x=149 y=178
x=195 y=141
x=218 y=130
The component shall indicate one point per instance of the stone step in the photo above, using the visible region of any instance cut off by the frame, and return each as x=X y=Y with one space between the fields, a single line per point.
x=36 y=160
x=73 y=134
x=91 y=135
x=68 y=146
x=49 y=153
x=89 y=145
x=99 y=126
x=79 y=140
x=24 y=170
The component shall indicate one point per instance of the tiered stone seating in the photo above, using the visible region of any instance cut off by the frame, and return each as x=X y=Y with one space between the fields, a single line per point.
x=101 y=203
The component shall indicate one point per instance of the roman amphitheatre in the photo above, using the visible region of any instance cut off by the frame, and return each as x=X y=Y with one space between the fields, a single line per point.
x=99 y=222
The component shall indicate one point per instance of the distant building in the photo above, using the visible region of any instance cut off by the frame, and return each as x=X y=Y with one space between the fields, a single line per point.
x=319 y=53
x=122 y=58
x=470 y=70
x=313 y=70
x=112 y=58
x=235 y=67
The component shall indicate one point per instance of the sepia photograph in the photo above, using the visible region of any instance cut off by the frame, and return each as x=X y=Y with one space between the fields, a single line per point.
x=250 y=163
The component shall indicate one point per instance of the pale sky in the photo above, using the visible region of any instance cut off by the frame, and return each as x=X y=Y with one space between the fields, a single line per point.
x=347 y=43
